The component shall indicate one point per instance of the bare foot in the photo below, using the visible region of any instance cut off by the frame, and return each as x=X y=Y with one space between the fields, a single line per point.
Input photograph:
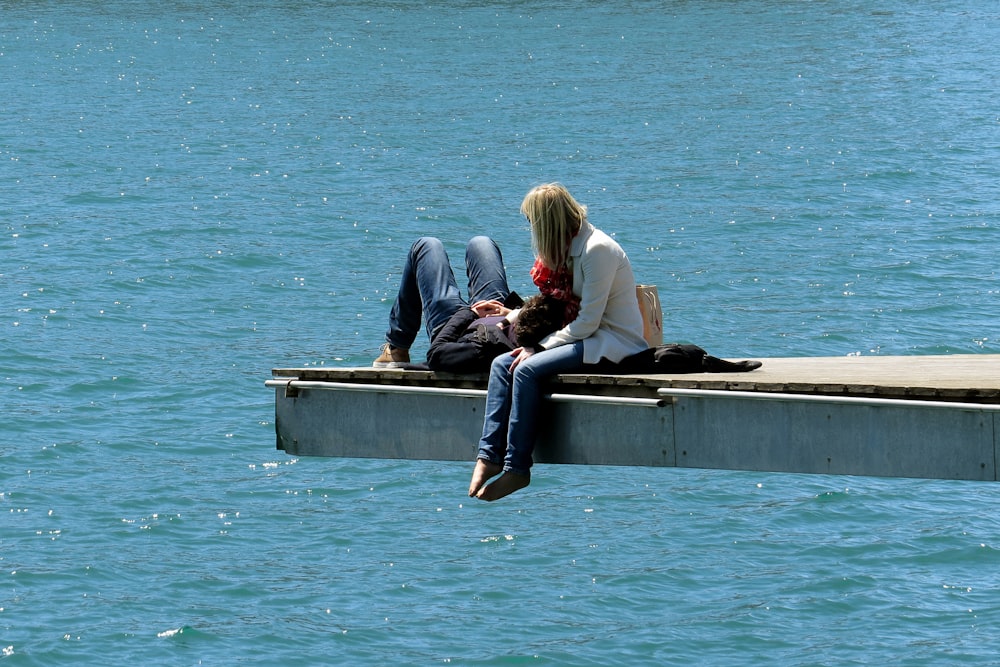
x=483 y=472
x=506 y=484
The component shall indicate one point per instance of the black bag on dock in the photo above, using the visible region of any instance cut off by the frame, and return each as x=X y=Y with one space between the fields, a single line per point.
x=673 y=358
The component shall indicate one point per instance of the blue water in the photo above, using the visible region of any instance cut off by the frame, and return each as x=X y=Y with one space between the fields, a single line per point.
x=191 y=195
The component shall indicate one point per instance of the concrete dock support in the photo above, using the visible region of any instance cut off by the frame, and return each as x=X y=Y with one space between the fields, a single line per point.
x=891 y=439
x=731 y=430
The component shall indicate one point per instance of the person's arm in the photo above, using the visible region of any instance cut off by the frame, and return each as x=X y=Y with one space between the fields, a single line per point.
x=447 y=352
x=598 y=266
x=457 y=350
x=491 y=307
x=455 y=327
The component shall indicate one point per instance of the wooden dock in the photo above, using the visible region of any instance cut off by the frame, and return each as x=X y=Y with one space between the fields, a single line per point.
x=919 y=416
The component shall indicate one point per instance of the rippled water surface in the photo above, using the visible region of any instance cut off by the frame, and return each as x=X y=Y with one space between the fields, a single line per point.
x=191 y=195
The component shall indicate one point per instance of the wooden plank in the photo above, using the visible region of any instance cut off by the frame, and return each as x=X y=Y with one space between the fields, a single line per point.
x=968 y=377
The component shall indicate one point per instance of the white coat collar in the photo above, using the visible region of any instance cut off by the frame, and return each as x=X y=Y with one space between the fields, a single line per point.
x=579 y=241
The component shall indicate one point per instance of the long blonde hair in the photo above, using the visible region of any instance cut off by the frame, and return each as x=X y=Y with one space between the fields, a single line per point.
x=555 y=219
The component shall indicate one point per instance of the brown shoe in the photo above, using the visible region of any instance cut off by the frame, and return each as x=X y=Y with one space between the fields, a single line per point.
x=392 y=357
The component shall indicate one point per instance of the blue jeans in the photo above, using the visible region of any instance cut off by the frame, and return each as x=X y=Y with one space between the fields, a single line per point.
x=513 y=401
x=428 y=287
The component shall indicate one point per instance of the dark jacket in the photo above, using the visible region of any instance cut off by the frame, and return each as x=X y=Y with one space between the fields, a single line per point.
x=460 y=347
x=674 y=358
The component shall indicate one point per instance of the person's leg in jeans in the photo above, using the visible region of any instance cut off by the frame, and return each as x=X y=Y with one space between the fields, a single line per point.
x=496 y=415
x=510 y=422
x=428 y=290
x=484 y=268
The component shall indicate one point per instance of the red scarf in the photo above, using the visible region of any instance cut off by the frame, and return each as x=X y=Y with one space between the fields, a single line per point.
x=558 y=284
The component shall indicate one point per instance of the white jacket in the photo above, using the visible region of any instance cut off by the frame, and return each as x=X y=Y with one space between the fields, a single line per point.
x=609 y=323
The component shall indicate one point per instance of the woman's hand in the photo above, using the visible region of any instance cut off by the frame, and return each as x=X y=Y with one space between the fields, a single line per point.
x=520 y=354
x=487 y=308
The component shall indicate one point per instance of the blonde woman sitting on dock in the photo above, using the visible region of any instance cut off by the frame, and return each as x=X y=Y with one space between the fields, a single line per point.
x=574 y=261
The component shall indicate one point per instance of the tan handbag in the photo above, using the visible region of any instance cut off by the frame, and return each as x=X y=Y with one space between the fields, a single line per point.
x=652 y=314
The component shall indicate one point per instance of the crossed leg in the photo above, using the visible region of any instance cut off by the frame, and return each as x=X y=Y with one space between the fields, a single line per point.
x=484 y=471
x=503 y=486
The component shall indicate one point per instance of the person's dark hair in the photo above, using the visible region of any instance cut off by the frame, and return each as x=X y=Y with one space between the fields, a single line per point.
x=541 y=315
